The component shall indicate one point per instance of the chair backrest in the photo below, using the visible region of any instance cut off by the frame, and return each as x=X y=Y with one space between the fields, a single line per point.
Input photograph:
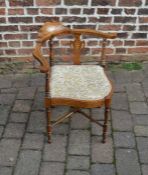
x=53 y=29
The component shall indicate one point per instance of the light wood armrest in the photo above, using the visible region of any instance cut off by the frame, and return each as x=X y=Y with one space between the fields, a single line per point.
x=47 y=31
x=44 y=65
x=95 y=33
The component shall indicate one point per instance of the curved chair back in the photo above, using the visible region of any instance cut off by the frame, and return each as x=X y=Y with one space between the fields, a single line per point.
x=51 y=30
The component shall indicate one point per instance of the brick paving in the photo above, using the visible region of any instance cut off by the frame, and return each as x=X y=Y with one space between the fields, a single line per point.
x=76 y=147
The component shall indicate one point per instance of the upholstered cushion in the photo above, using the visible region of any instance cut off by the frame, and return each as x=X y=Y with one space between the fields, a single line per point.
x=81 y=82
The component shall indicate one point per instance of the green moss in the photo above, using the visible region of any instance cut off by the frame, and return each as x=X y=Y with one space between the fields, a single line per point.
x=131 y=66
x=127 y=66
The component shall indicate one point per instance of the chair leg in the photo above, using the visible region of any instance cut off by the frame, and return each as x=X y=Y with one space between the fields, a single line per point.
x=106 y=112
x=48 y=116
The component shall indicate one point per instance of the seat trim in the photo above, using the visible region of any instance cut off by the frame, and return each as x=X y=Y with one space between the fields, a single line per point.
x=80 y=103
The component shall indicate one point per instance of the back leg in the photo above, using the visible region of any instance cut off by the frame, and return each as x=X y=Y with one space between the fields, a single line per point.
x=48 y=116
x=106 y=116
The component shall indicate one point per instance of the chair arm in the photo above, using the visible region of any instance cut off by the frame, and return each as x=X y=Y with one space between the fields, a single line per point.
x=95 y=33
x=44 y=65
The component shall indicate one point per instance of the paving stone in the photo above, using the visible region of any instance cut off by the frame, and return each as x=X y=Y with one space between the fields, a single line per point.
x=142 y=143
x=138 y=108
x=122 y=76
x=135 y=92
x=37 y=122
x=37 y=79
x=53 y=168
x=26 y=93
x=97 y=130
x=144 y=169
x=39 y=102
x=5 y=171
x=21 y=80
x=19 y=117
x=56 y=151
x=119 y=101
x=60 y=129
x=78 y=121
x=140 y=119
x=77 y=172
x=59 y=111
x=102 y=169
x=78 y=162
x=127 y=162
x=28 y=163
x=79 y=145
x=9 y=150
x=141 y=130
x=6 y=82
x=137 y=75
x=124 y=139
x=33 y=141
x=145 y=82
x=110 y=75
x=7 y=76
x=7 y=99
x=145 y=87
x=79 y=142
x=9 y=90
x=22 y=106
x=4 y=112
x=119 y=87
x=14 y=130
x=98 y=113
x=121 y=120
x=1 y=130
x=41 y=89
x=102 y=153
x=145 y=68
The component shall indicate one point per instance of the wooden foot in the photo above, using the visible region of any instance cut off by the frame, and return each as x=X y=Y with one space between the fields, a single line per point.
x=48 y=116
x=106 y=112
x=49 y=138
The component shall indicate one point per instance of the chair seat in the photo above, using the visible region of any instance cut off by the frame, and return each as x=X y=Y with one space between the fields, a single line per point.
x=80 y=82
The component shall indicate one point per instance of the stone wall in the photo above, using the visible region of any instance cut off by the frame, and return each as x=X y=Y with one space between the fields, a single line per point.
x=21 y=19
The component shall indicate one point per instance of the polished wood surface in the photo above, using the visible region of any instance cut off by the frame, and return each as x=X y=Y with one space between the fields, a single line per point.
x=47 y=32
x=45 y=35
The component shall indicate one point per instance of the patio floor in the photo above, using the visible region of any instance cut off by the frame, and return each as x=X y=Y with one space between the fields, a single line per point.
x=76 y=147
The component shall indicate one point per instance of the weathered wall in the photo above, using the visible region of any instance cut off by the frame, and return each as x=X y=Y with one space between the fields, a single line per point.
x=21 y=19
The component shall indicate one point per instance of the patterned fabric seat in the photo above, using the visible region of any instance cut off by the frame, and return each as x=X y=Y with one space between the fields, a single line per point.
x=81 y=82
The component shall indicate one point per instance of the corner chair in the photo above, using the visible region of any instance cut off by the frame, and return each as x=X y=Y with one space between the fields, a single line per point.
x=75 y=85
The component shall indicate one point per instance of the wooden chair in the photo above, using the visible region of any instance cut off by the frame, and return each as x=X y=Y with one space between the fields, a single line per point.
x=77 y=86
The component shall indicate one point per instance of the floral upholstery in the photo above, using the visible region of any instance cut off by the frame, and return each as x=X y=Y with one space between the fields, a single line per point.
x=81 y=82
